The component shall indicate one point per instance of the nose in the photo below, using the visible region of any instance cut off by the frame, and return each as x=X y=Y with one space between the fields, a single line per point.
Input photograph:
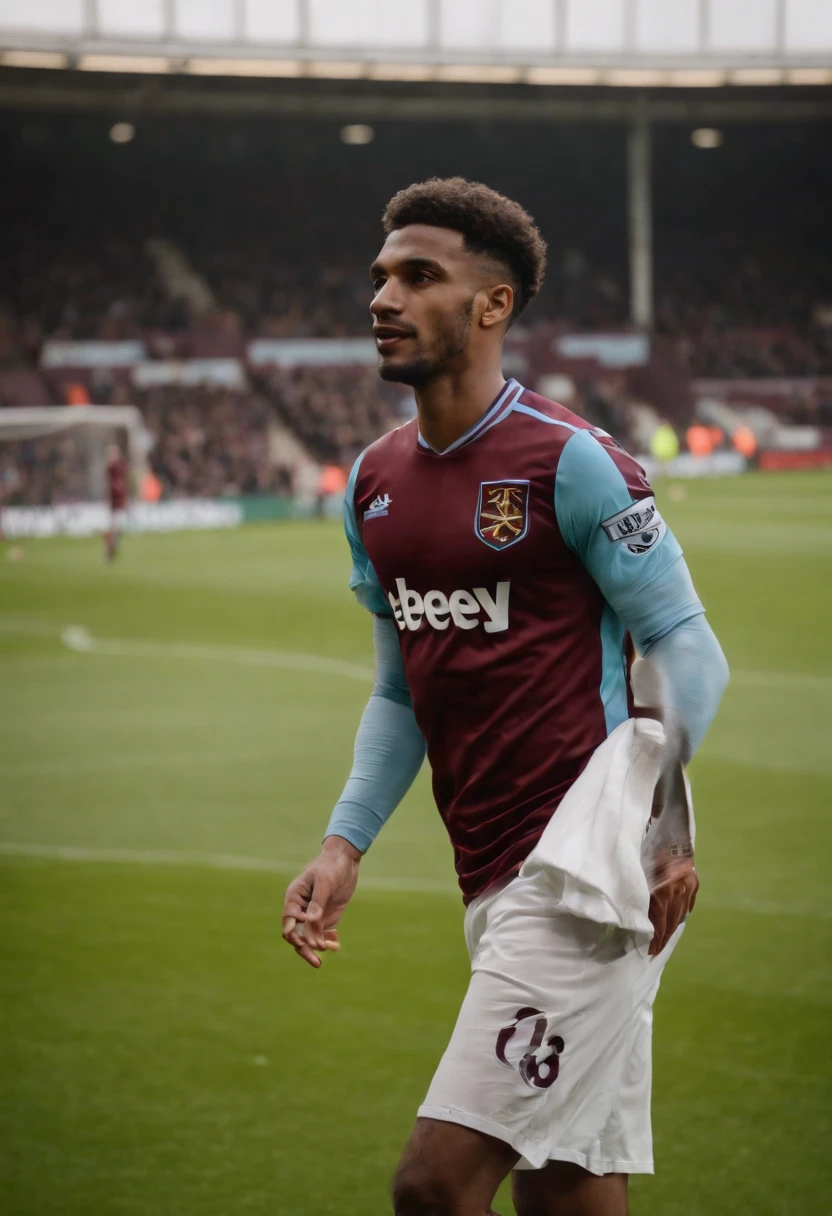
x=386 y=302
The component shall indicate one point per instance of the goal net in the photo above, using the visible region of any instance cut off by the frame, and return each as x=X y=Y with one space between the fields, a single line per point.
x=53 y=464
x=50 y=455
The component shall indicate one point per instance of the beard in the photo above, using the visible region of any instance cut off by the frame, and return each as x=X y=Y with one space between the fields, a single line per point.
x=428 y=365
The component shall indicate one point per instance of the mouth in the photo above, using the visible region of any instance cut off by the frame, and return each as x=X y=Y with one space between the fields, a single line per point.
x=387 y=338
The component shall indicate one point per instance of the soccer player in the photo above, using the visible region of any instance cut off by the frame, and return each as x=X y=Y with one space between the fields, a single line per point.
x=117 y=477
x=507 y=549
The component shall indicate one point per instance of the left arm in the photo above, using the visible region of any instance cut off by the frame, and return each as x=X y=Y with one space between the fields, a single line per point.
x=608 y=517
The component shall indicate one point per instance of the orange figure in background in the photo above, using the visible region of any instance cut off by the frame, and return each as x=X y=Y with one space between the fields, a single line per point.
x=150 y=489
x=333 y=480
x=745 y=442
x=699 y=440
x=77 y=394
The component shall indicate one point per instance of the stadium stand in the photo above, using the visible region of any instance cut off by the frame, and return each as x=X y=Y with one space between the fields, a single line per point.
x=336 y=412
x=225 y=254
x=211 y=443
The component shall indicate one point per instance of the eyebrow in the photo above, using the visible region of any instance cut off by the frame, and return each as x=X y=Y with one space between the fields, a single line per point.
x=415 y=263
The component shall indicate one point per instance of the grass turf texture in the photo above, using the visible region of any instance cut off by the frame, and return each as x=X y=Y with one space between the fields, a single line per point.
x=162 y=1051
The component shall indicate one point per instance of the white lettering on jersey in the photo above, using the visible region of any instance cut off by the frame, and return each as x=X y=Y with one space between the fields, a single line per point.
x=462 y=608
x=639 y=526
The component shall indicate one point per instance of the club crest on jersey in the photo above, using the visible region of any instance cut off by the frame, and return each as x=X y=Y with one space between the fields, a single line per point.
x=639 y=526
x=502 y=517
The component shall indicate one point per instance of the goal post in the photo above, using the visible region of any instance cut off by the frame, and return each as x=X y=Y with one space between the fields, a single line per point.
x=32 y=436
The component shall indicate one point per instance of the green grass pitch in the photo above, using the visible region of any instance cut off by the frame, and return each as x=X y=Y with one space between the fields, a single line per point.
x=162 y=1051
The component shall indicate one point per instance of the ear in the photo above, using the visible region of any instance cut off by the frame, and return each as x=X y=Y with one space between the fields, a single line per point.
x=499 y=302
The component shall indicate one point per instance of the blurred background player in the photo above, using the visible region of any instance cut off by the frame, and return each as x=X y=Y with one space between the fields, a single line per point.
x=118 y=473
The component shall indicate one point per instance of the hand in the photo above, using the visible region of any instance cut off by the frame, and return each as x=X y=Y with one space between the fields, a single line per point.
x=672 y=898
x=317 y=897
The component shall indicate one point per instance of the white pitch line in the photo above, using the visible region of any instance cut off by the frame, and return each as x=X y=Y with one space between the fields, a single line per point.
x=412 y=886
x=76 y=638
x=81 y=641
x=15 y=625
x=208 y=861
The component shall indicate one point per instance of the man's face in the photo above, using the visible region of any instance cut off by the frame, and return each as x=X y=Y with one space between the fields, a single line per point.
x=425 y=283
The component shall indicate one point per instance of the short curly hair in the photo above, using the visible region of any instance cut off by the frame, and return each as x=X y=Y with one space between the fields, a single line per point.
x=490 y=224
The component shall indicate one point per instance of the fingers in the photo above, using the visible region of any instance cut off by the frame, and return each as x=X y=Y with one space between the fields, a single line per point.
x=310 y=912
x=694 y=892
x=295 y=935
x=295 y=903
x=304 y=950
x=298 y=894
x=658 y=919
x=669 y=905
x=314 y=924
x=676 y=910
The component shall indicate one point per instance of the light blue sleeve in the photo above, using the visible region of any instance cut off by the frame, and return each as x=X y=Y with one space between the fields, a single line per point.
x=622 y=541
x=694 y=674
x=389 y=748
x=638 y=565
x=363 y=579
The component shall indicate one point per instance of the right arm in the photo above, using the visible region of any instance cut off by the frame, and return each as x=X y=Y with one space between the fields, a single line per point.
x=389 y=750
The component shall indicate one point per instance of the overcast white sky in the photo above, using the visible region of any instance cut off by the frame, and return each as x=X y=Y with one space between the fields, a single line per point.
x=662 y=26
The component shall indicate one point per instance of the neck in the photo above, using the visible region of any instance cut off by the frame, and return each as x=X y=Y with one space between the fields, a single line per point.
x=449 y=405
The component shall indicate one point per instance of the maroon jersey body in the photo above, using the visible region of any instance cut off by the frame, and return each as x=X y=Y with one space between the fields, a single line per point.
x=117 y=474
x=502 y=628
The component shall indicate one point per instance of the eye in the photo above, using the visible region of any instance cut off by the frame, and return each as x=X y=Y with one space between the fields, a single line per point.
x=378 y=284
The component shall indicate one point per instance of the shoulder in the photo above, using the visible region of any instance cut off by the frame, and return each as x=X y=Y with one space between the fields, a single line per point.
x=390 y=448
x=592 y=458
x=588 y=446
x=547 y=425
x=600 y=490
x=551 y=414
x=374 y=466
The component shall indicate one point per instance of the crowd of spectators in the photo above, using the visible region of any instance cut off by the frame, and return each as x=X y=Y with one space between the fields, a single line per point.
x=336 y=412
x=764 y=315
x=34 y=472
x=759 y=316
x=607 y=404
x=210 y=443
x=812 y=407
x=717 y=353
x=276 y=298
x=64 y=290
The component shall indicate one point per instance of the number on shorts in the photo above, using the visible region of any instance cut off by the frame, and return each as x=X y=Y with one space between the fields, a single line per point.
x=539 y=1074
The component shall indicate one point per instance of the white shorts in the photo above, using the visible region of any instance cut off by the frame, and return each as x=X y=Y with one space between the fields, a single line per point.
x=551 y=1052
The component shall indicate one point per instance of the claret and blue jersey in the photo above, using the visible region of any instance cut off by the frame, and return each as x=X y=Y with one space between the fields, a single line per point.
x=512 y=564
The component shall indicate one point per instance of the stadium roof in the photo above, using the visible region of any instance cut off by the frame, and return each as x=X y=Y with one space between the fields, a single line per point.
x=642 y=43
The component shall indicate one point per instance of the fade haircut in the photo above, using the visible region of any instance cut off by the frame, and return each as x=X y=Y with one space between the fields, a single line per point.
x=490 y=223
